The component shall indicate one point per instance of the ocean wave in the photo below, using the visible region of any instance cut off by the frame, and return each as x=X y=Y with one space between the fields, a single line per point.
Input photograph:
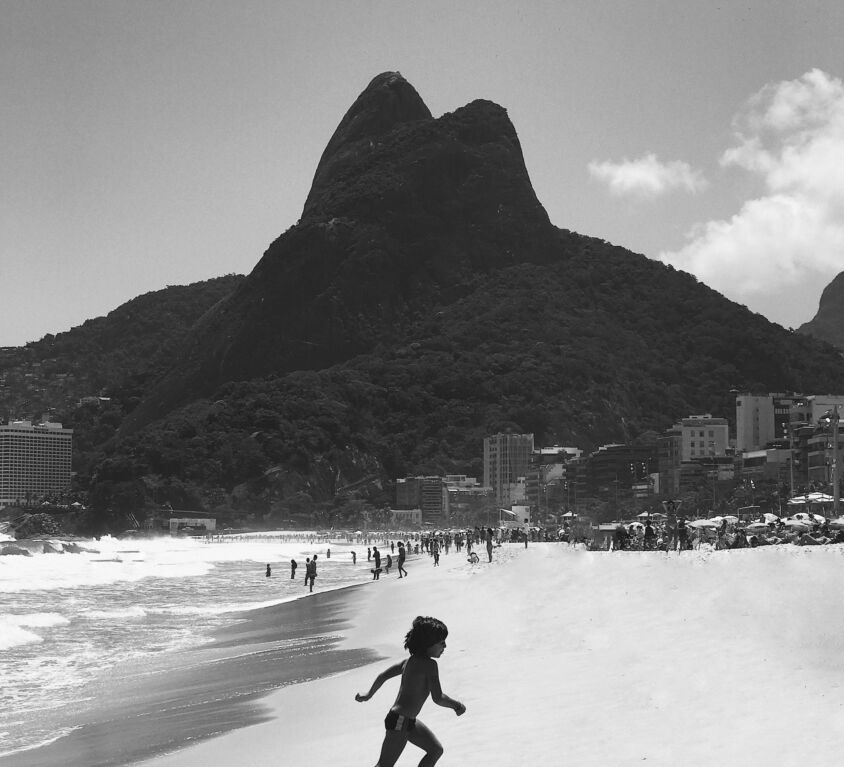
x=44 y=741
x=15 y=636
x=122 y=612
x=35 y=620
x=14 y=628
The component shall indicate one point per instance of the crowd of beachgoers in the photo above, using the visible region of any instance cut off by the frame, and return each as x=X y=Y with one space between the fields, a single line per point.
x=726 y=532
x=651 y=534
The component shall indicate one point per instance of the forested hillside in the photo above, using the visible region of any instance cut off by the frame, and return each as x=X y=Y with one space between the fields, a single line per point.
x=422 y=302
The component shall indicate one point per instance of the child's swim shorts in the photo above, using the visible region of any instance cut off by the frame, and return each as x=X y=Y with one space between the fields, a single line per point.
x=396 y=721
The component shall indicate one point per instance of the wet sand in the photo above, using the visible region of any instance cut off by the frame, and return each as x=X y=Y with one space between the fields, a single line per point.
x=216 y=688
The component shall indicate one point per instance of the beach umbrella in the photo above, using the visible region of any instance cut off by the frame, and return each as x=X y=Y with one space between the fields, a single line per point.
x=805 y=516
x=796 y=524
x=701 y=523
x=731 y=519
x=770 y=517
x=757 y=527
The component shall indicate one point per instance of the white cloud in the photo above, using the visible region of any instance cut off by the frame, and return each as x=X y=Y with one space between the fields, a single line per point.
x=791 y=136
x=647 y=176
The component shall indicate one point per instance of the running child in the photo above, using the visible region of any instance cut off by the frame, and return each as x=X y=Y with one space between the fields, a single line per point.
x=419 y=678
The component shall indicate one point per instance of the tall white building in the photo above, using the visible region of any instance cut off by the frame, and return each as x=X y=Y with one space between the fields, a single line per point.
x=762 y=418
x=506 y=461
x=754 y=421
x=34 y=461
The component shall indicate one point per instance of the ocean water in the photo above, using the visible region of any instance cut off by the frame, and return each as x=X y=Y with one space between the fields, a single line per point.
x=72 y=622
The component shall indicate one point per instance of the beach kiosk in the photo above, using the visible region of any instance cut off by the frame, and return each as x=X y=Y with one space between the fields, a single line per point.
x=192 y=525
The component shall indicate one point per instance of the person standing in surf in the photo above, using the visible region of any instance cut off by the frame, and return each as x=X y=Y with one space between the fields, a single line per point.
x=419 y=678
x=376 y=571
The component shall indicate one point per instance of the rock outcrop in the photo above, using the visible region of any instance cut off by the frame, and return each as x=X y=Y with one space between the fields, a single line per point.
x=828 y=323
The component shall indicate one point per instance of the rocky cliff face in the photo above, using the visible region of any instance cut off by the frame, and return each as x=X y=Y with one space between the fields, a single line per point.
x=828 y=323
x=404 y=210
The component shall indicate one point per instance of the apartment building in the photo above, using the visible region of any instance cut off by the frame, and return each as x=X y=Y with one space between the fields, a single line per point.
x=35 y=461
x=507 y=460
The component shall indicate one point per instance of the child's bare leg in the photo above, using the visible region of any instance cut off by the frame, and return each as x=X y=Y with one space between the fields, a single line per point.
x=391 y=748
x=423 y=738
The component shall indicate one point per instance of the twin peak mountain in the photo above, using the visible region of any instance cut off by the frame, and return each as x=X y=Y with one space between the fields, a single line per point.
x=424 y=235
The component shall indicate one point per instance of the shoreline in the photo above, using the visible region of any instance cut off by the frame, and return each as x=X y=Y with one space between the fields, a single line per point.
x=210 y=690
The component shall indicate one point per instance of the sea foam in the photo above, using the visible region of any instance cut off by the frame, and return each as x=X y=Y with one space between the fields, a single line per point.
x=15 y=636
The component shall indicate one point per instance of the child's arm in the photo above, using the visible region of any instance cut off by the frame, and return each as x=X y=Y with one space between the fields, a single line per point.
x=389 y=673
x=437 y=694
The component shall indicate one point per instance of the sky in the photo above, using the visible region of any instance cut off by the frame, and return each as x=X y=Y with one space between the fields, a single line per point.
x=147 y=144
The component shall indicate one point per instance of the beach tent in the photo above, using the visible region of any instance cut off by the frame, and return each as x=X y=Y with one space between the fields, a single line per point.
x=800 y=500
x=651 y=515
x=569 y=515
x=701 y=523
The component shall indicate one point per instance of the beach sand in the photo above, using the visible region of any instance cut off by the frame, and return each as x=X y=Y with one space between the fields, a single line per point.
x=586 y=658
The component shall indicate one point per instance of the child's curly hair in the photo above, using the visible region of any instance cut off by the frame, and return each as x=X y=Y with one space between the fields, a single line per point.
x=426 y=631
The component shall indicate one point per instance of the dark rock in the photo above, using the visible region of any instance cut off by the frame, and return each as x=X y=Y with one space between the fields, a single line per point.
x=9 y=549
x=828 y=324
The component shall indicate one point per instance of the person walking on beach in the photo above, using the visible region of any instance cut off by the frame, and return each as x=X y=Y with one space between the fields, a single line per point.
x=354 y=558
x=376 y=571
x=401 y=559
x=419 y=678
x=368 y=554
x=312 y=573
x=489 y=543
x=293 y=567
x=269 y=571
x=435 y=550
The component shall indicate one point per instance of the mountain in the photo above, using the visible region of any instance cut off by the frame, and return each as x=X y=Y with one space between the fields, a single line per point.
x=115 y=357
x=423 y=301
x=404 y=213
x=828 y=323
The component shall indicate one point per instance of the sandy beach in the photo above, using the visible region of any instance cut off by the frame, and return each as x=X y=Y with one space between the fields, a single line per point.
x=586 y=658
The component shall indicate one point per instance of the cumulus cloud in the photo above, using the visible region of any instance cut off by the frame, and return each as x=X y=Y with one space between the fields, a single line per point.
x=791 y=136
x=647 y=176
